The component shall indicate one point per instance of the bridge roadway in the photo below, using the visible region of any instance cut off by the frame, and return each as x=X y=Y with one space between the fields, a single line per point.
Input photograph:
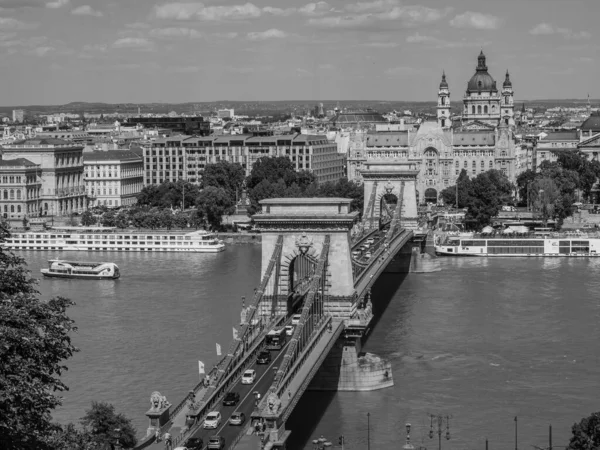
x=265 y=375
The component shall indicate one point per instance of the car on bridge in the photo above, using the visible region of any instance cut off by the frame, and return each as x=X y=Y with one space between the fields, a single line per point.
x=212 y=421
x=356 y=253
x=237 y=418
x=370 y=241
x=289 y=329
x=194 y=444
x=249 y=376
x=368 y=255
x=263 y=358
x=231 y=399
x=216 y=443
x=296 y=319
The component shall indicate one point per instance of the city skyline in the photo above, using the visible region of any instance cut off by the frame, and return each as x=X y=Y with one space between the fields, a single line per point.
x=61 y=51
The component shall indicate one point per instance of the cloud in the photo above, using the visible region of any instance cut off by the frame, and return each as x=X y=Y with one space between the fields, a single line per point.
x=133 y=43
x=382 y=44
x=326 y=66
x=548 y=29
x=476 y=20
x=377 y=5
x=42 y=51
x=303 y=73
x=279 y=11
x=103 y=48
x=187 y=11
x=315 y=9
x=57 y=4
x=86 y=10
x=273 y=33
x=174 y=32
x=9 y=23
x=435 y=42
x=375 y=14
x=240 y=70
x=185 y=69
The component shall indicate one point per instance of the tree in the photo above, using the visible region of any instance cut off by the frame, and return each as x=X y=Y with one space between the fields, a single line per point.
x=449 y=194
x=181 y=219
x=487 y=192
x=586 y=433
x=68 y=437
x=88 y=219
x=149 y=195
x=212 y=204
x=545 y=195
x=524 y=181
x=34 y=343
x=105 y=426
x=166 y=218
x=122 y=220
x=272 y=169
x=225 y=175
x=108 y=218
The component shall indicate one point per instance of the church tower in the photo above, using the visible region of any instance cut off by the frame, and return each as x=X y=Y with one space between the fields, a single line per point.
x=443 y=106
x=507 y=107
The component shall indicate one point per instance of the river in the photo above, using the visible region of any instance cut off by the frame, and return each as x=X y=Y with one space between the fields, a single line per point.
x=483 y=341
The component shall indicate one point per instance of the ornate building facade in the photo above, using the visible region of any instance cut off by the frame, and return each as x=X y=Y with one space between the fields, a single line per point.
x=441 y=149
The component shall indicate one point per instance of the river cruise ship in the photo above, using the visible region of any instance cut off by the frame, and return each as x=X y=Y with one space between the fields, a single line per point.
x=532 y=245
x=58 y=268
x=112 y=239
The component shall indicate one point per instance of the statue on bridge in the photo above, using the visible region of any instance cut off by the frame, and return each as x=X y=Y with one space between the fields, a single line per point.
x=158 y=402
x=273 y=403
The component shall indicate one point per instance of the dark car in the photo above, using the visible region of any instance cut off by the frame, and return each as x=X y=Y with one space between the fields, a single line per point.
x=231 y=399
x=216 y=443
x=194 y=444
x=263 y=358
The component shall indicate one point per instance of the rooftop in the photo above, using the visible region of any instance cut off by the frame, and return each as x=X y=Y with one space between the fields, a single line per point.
x=592 y=123
x=111 y=155
x=474 y=138
x=561 y=136
x=16 y=162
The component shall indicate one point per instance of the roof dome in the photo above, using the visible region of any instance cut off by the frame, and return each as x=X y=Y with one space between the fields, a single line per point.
x=444 y=83
x=482 y=80
x=507 y=82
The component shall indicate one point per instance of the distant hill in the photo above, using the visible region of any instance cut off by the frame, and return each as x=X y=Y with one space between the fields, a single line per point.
x=269 y=108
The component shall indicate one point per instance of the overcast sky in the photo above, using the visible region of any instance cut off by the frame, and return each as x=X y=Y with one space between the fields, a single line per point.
x=58 y=51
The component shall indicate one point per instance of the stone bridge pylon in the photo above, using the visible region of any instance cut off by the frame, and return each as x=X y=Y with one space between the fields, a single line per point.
x=397 y=179
x=300 y=225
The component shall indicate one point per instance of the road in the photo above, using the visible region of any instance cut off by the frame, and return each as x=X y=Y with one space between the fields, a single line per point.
x=264 y=378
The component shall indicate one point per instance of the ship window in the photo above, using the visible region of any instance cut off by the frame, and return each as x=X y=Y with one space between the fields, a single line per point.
x=172 y=238
x=149 y=238
x=187 y=238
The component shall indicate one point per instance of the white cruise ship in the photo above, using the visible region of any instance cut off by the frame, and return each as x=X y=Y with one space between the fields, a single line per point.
x=111 y=239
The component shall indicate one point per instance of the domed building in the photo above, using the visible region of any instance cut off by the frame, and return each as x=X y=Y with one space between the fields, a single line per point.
x=483 y=102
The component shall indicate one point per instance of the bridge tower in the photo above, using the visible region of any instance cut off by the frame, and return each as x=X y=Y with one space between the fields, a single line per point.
x=300 y=226
x=386 y=178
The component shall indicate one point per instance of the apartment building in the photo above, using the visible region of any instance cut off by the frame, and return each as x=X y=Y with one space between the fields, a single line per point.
x=20 y=188
x=184 y=157
x=113 y=178
x=61 y=172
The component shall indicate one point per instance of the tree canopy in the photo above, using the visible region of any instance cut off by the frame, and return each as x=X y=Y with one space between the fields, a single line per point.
x=35 y=342
x=169 y=195
x=224 y=175
x=586 y=433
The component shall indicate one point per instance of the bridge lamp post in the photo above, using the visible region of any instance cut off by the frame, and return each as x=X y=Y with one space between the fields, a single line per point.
x=440 y=426
x=408 y=445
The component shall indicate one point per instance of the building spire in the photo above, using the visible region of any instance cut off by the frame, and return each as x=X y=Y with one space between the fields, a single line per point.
x=481 y=67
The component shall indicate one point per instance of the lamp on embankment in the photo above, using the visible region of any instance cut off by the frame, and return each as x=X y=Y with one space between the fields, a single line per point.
x=321 y=444
x=408 y=445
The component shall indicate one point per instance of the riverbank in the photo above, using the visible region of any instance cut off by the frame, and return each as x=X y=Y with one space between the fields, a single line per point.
x=240 y=238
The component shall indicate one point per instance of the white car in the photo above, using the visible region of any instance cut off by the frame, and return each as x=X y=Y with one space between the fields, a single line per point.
x=212 y=421
x=248 y=376
x=370 y=241
x=296 y=319
x=289 y=329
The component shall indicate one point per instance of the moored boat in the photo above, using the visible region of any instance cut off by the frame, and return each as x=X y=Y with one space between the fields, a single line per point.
x=58 y=268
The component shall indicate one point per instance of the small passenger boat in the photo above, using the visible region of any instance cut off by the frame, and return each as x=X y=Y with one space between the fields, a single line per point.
x=59 y=268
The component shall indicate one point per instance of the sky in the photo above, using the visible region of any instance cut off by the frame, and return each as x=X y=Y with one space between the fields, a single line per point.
x=142 y=51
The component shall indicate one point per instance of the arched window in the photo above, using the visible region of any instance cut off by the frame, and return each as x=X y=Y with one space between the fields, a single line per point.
x=506 y=100
x=5 y=195
x=18 y=208
x=18 y=195
x=443 y=101
x=46 y=206
x=12 y=194
x=483 y=164
x=491 y=164
x=478 y=109
x=12 y=208
x=485 y=109
x=473 y=109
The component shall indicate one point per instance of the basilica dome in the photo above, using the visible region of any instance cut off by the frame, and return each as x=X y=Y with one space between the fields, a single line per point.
x=482 y=80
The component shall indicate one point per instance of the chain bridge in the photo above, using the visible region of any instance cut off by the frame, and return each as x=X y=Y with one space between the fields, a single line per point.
x=319 y=263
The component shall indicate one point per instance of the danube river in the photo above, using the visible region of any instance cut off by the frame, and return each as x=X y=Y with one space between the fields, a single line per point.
x=482 y=341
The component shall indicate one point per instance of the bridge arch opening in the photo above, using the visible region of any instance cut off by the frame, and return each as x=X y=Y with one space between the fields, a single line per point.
x=387 y=205
x=301 y=270
x=431 y=196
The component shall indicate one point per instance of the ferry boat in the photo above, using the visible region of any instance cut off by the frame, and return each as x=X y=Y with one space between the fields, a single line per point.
x=111 y=239
x=555 y=245
x=59 y=268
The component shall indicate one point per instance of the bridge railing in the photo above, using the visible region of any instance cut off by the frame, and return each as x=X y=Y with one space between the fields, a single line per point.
x=218 y=391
